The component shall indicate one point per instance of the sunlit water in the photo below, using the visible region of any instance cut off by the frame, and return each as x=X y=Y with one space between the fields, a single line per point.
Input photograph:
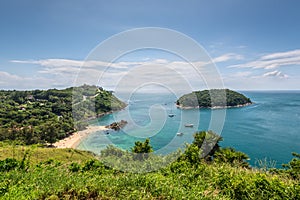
x=270 y=128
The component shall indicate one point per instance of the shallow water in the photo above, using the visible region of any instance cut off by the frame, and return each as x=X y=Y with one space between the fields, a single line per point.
x=270 y=128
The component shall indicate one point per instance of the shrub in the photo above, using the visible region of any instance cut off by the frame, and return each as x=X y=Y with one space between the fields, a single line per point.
x=9 y=164
x=231 y=156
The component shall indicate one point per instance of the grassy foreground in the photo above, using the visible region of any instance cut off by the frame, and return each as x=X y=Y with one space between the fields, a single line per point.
x=43 y=173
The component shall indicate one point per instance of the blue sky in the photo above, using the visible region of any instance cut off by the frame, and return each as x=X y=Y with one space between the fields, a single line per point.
x=255 y=44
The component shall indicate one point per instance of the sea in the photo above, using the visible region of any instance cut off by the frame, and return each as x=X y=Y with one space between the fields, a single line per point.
x=268 y=130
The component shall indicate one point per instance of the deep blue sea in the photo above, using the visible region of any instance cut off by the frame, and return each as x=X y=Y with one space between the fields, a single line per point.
x=270 y=128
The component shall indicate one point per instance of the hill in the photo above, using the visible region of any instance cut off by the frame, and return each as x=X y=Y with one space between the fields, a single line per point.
x=214 y=98
x=33 y=172
x=40 y=116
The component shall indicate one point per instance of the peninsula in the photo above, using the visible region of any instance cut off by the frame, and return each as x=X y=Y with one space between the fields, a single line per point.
x=48 y=116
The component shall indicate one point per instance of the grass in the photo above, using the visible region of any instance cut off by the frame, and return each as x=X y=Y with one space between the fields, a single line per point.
x=38 y=154
x=74 y=174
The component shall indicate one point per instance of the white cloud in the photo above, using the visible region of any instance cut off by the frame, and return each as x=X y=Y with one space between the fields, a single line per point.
x=72 y=63
x=5 y=77
x=273 y=61
x=51 y=62
x=76 y=64
x=12 y=81
x=227 y=57
x=66 y=71
x=275 y=73
x=288 y=54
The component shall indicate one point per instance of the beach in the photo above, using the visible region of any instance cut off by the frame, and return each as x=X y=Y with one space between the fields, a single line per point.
x=74 y=140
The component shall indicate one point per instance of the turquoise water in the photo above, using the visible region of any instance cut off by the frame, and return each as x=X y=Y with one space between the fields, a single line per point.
x=270 y=128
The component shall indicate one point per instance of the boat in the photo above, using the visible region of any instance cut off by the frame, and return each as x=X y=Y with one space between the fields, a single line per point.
x=179 y=134
x=189 y=125
x=171 y=114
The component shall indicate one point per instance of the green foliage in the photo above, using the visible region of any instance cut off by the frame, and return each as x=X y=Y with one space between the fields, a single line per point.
x=292 y=169
x=111 y=150
x=138 y=160
x=208 y=142
x=204 y=146
x=74 y=167
x=61 y=179
x=38 y=155
x=142 y=149
x=212 y=98
x=231 y=156
x=12 y=163
x=44 y=116
x=8 y=164
x=192 y=154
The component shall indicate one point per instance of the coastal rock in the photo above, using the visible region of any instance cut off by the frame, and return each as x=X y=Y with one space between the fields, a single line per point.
x=117 y=125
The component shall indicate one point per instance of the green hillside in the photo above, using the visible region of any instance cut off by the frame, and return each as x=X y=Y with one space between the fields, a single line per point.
x=41 y=116
x=212 y=98
x=42 y=173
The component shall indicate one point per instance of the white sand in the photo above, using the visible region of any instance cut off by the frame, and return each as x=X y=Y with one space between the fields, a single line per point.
x=74 y=140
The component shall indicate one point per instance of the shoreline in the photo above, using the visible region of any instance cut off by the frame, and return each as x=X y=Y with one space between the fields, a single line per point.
x=212 y=108
x=74 y=140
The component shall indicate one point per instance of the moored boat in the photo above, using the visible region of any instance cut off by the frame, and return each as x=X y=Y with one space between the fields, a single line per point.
x=189 y=125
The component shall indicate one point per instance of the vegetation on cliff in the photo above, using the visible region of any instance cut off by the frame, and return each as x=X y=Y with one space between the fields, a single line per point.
x=41 y=116
x=212 y=98
x=32 y=172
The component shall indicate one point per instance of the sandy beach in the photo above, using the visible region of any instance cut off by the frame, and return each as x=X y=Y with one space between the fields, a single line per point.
x=74 y=140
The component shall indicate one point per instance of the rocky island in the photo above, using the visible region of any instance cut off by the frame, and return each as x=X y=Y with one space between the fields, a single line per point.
x=214 y=98
x=117 y=125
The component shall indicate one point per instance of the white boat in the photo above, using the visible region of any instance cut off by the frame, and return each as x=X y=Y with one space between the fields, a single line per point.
x=179 y=134
x=171 y=115
x=189 y=125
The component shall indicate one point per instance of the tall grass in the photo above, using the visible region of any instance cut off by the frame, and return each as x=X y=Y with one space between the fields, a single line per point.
x=80 y=177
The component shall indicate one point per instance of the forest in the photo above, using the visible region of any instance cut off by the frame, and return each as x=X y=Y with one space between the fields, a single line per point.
x=213 y=98
x=45 y=116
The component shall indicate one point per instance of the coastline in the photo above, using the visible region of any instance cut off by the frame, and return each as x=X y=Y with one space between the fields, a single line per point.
x=74 y=140
x=214 y=107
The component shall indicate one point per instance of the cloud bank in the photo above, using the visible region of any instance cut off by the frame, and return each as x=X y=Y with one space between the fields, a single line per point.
x=62 y=73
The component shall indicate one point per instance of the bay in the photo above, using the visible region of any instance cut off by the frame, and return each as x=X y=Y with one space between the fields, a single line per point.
x=270 y=128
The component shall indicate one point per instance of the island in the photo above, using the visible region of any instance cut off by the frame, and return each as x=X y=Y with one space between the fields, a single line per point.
x=214 y=98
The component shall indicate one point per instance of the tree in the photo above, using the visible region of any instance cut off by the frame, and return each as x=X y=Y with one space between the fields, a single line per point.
x=204 y=146
x=208 y=143
x=230 y=155
x=192 y=154
x=50 y=133
x=142 y=149
x=293 y=167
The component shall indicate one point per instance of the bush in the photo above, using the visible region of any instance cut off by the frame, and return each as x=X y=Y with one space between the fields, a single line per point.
x=9 y=164
x=142 y=149
x=231 y=156
x=74 y=167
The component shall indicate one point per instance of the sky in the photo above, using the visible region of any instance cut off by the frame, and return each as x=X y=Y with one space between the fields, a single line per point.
x=254 y=45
